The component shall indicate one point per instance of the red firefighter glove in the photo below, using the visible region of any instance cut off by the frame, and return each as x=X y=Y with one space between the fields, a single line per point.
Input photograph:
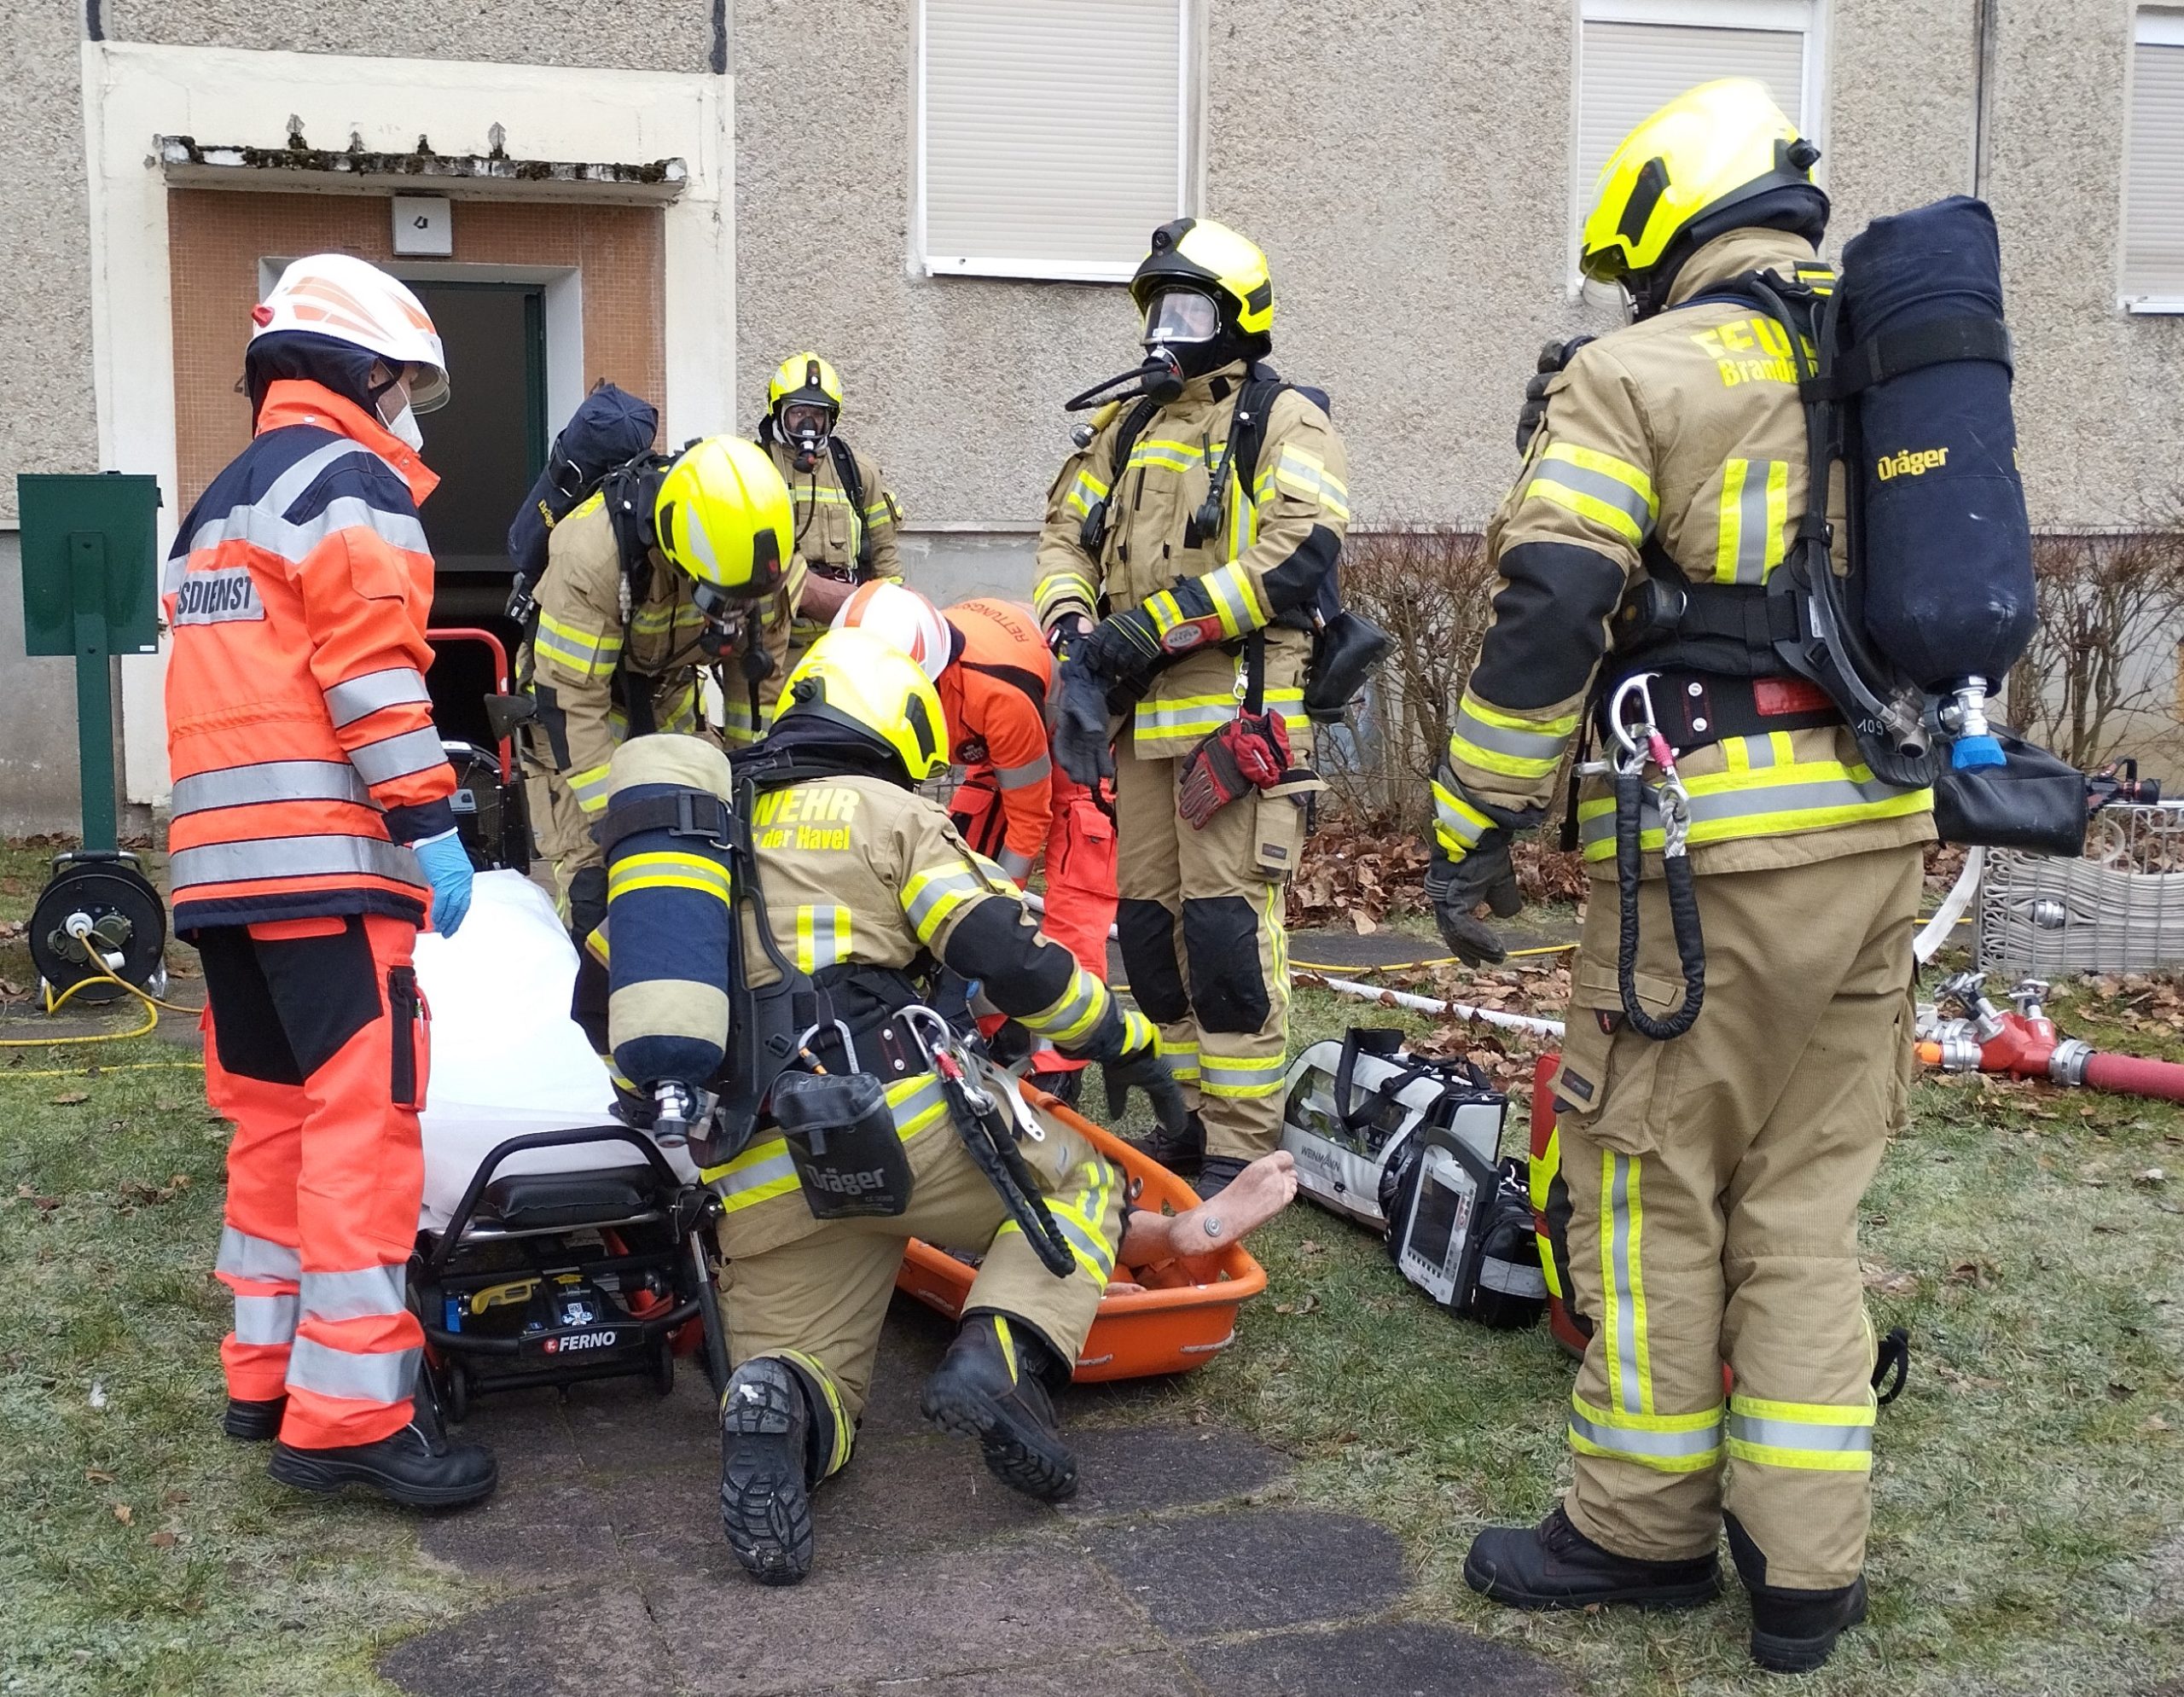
x=1250 y=752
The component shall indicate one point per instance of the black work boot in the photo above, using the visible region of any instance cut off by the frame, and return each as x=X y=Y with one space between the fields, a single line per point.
x=993 y=1385
x=416 y=1467
x=1182 y=1156
x=1064 y=1086
x=1554 y=1565
x=765 y=1471
x=1216 y=1173
x=253 y=1422
x=1792 y=1632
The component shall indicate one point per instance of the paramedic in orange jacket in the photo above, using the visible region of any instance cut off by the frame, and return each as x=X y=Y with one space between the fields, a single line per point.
x=989 y=664
x=312 y=834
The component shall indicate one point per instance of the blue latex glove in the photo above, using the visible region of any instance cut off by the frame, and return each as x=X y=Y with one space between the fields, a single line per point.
x=447 y=864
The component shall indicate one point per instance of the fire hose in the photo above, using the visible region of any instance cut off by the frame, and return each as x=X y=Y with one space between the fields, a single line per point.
x=2025 y=1043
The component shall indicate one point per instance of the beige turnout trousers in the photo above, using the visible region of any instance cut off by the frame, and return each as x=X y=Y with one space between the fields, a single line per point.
x=819 y=1299
x=1715 y=1183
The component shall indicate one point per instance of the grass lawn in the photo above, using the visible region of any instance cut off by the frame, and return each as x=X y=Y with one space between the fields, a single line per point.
x=2028 y=1481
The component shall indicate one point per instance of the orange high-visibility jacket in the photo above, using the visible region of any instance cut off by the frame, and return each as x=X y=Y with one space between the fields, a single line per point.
x=300 y=734
x=995 y=696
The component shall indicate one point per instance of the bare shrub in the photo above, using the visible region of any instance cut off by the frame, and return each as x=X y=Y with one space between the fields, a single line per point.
x=1430 y=587
x=2110 y=610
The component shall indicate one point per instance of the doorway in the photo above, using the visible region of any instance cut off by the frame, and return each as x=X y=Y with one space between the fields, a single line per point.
x=489 y=442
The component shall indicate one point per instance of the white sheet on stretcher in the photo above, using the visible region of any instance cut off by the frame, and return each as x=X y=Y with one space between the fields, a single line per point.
x=506 y=1057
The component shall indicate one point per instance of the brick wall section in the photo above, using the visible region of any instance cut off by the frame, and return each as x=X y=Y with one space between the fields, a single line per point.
x=216 y=239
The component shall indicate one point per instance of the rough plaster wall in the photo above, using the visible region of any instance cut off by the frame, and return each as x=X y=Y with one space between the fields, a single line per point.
x=1901 y=84
x=953 y=386
x=45 y=319
x=2100 y=431
x=641 y=35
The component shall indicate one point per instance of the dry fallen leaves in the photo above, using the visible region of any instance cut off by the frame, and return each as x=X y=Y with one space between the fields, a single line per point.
x=123 y=1512
x=70 y=1098
x=162 y=1540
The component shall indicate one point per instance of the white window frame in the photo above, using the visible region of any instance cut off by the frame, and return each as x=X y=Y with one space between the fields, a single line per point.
x=1807 y=18
x=925 y=262
x=2151 y=26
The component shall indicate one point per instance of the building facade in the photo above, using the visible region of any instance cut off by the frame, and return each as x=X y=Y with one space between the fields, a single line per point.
x=944 y=197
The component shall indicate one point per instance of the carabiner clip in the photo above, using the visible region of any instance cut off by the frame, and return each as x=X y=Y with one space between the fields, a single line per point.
x=1633 y=740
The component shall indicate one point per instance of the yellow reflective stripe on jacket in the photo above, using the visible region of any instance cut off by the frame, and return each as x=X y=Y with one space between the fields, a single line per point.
x=588 y=787
x=1182 y=1059
x=1610 y=492
x=668 y=869
x=1760 y=799
x=916 y=1102
x=1170 y=455
x=1754 y=517
x=822 y=936
x=1623 y=1283
x=1304 y=474
x=1201 y=715
x=679 y=717
x=589 y=654
x=1457 y=824
x=1240 y=1078
x=1080 y=1007
x=1668 y=1444
x=1062 y=588
x=1506 y=743
x=1818 y=1437
x=1086 y=491
x=1235 y=600
x=759 y=1174
x=1080 y=1209
x=929 y=897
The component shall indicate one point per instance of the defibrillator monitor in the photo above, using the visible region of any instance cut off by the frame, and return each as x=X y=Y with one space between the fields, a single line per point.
x=1439 y=1237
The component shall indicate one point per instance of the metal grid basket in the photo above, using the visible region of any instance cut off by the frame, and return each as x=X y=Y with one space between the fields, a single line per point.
x=2119 y=908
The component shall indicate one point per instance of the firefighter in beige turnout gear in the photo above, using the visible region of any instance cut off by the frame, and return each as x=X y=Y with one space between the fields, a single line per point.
x=865 y=883
x=1183 y=608
x=622 y=648
x=846 y=516
x=1714 y=1178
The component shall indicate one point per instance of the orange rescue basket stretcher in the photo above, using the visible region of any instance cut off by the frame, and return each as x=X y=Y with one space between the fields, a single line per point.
x=1171 y=1326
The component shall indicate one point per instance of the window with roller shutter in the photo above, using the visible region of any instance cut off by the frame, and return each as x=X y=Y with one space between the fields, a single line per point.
x=2153 y=174
x=1052 y=135
x=1634 y=57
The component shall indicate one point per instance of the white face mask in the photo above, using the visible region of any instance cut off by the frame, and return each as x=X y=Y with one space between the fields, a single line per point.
x=403 y=424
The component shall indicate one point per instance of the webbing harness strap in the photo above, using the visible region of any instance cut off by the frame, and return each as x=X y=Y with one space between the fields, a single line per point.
x=1939 y=341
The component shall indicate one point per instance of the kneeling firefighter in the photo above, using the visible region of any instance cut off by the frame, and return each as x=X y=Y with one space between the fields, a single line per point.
x=650 y=584
x=1714 y=1159
x=1187 y=547
x=783 y=971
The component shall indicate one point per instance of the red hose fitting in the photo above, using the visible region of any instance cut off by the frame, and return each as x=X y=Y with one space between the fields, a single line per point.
x=2135 y=1076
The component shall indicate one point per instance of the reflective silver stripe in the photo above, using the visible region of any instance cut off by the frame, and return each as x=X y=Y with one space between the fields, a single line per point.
x=1644 y=1442
x=1220 y=1077
x=1229 y=596
x=1623 y=1297
x=1522 y=745
x=1083 y=994
x=364 y=1293
x=1017 y=866
x=757 y=1175
x=256 y=1257
x=1758 y=752
x=1712 y=807
x=1024 y=776
x=265 y=1319
x=262 y=525
x=1213 y=711
x=386 y=1376
x=823 y=936
x=920 y=1102
x=279 y=496
x=1608 y=491
x=308 y=857
x=269 y=781
x=1755 y=535
x=397 y=756
x=360 y=697
x=1089 y=1244
x=1801 y=1434
x=945 y=888
x=1459 y=824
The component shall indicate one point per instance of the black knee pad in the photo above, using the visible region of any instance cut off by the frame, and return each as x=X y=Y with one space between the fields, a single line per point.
x=324 y=989
x=1146 y=932
x=1221 y=939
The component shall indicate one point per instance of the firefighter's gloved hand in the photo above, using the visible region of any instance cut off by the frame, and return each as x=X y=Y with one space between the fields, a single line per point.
x=1250 y=752
x=1456 y=887
x=1135 y=1061
x=1081 y=742
x=1552 y=359
x=1123 y=649
x=446 y=863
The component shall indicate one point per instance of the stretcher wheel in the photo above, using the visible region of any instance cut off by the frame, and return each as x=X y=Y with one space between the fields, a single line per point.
x=454 y=1392
x=99 y=906
x=662 y=1366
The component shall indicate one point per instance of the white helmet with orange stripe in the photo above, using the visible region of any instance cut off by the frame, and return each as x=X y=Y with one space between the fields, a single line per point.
x=352 y=300
x=903 y=619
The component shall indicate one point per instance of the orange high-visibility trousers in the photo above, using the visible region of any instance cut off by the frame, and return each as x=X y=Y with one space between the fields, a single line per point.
x=1080 y=861
x=316 y=1050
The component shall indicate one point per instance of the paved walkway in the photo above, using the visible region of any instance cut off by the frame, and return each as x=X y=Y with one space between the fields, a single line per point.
x=1161 y=1579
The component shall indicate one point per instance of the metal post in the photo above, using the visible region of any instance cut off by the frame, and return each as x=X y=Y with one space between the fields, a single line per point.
x=94 y=690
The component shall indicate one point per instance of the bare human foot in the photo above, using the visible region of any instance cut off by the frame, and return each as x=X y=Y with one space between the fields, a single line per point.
x=1248 y=1201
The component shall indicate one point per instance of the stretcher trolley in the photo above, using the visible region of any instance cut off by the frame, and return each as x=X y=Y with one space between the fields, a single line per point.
x=1172 y=1323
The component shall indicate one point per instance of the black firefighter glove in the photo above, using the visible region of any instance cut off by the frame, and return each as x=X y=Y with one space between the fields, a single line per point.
x=1128 y=1047
x=1081 y=742
x=1123 y=648
x=1456 y=887
x=1552 y=359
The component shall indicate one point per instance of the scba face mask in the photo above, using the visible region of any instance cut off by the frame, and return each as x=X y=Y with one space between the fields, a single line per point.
x=807 y=426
